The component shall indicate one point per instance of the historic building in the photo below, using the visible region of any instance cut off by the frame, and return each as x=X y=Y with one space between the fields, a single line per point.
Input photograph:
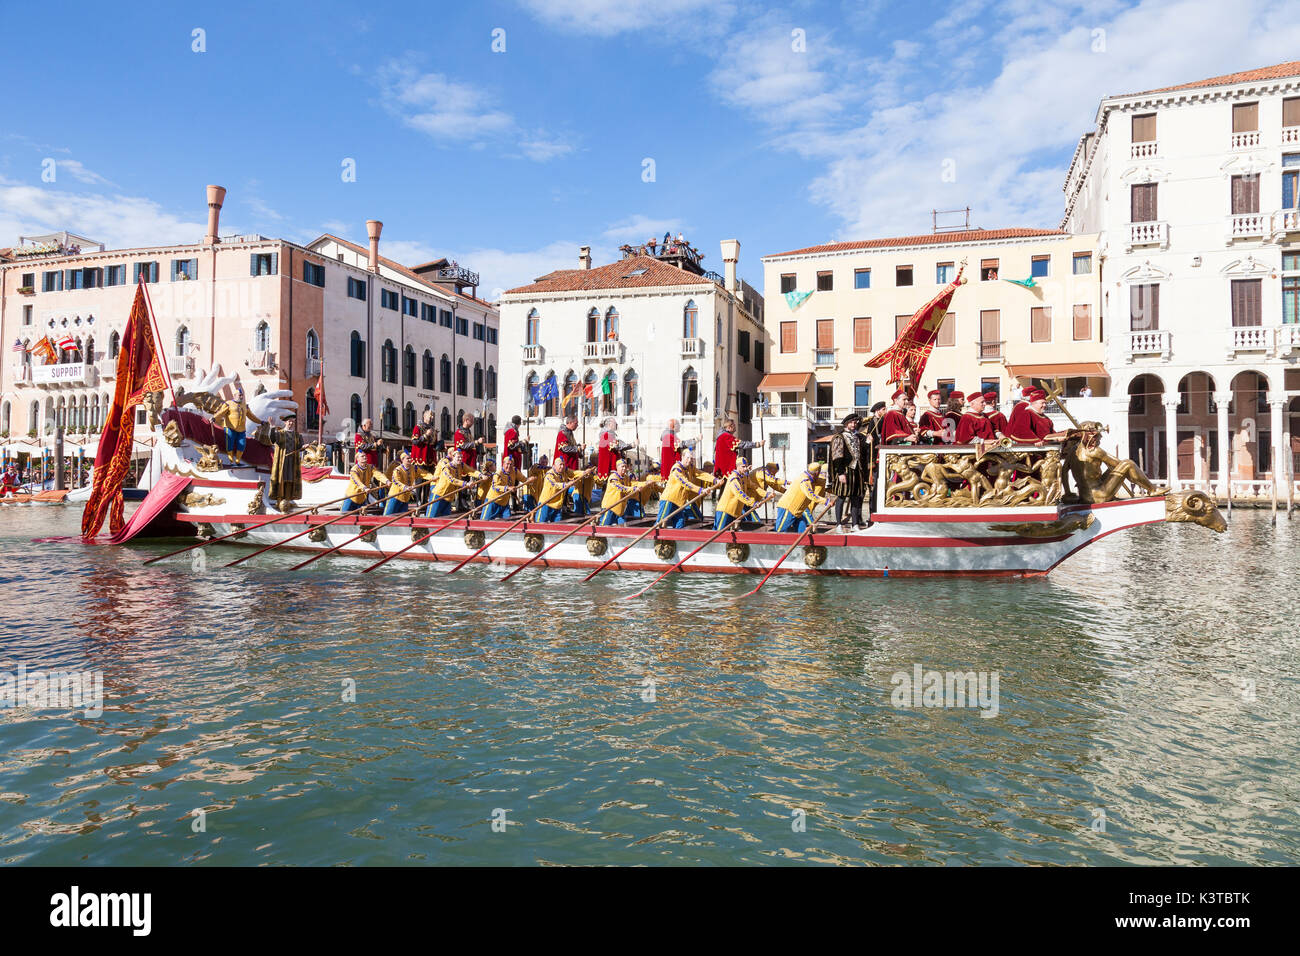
x=671 y=340
x=1193 y=190
x=395 y=340
x=834 y=306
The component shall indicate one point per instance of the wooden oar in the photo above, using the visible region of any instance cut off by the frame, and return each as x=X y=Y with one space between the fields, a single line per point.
x=654 y=527
x=731 y=526
x=797 y=542
x=566 y=487
x=375 y=527
x=442 y=527
x=569 y=534
x=260 y=524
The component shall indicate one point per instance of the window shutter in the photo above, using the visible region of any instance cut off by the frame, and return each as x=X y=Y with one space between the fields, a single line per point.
x=1040 y=324
x=1144 y=128
x=900 y=323
x=862 y=335
x=1143 y=202
x=1246 y=302
x=1082 y=322
x=1291 y=111
x=1245 y=194
x=990 y=326
x=825 y=333
x=947 y=331
x=1245 y=117
x=789 y=336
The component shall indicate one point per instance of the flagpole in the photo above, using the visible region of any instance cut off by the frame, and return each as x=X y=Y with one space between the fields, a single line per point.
x=157 y=338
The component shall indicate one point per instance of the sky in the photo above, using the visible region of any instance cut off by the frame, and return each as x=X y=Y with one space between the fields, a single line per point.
x=505 y=135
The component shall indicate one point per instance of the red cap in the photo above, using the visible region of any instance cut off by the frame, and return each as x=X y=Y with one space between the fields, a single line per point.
x=990 y=396
x=1035 y=394
x=897 y=393
x=933 y=392
x=956 y=394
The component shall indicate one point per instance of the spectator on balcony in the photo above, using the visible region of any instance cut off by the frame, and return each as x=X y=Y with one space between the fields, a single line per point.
x=1085 y=392
x=651 y=243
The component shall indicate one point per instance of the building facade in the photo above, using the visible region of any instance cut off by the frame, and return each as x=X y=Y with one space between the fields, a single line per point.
x=1193 y=191
x=673 y=341
x=997 y=334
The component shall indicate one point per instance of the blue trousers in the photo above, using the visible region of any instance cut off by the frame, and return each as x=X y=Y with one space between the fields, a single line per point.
x=547 y=513
x=633 y=511
x=350 y=505
x=528 y=501
x=721 y=519
x=792 y=523
x=677 y=521
x=439 y=509
x=235 y=441
x=396 y=506
x=496 y=512
x=580 y=504
x=609 y=518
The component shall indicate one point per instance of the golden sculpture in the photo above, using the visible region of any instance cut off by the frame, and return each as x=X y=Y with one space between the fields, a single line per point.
x=204 y=401
x=1098 y=475
x=1047 y=529
x=1196 y=507
x=255 y=506
x=152 y=402
x=172 y=434
x=989 y=477
x=208 y=459
x=313 y=456
x=196 y=500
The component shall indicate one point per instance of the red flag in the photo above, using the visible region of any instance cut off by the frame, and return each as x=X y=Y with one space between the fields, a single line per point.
x=45 y=350
x=138 y=371
x=911 y=350
x=320 y=391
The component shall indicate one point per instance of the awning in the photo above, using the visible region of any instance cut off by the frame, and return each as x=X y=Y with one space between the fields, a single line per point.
x=1060 y=370
x=785 y=381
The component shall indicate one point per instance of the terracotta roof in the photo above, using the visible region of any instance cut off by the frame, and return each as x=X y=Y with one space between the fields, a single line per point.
x=398 y=267
x=616 y=275
x=1263 y=73
x=927 y=239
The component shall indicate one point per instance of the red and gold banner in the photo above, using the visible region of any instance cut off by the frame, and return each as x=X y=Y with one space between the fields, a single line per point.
x=909 y=353
x=139 y=370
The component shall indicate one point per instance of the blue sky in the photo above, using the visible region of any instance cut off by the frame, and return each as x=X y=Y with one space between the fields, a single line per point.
x=508 y=161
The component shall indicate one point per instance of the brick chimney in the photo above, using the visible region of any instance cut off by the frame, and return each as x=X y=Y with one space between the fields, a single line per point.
x=373 y=228
x=730 y=256
x=584 y=257
x=216 y=196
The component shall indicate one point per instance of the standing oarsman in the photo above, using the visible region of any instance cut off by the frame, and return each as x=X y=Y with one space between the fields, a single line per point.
x=464 y=440
x=361 y=479
x=849 y=462
x=449 y=478
x=930 y=425
x=367 y=441
x=514 y=445
x=609 y=449
x=725 y=448
x=424 y=437
x=619 y=497
x=795 y=506
x=895 y=425
x=680 y=488
x=952 y=417
x=670 y=448
x=569 y=451
x=235 y=416
x=286 y=463
x=500 y=490
x=997 y=420
x=974 y=425
x=738 y=496
x=406 y=475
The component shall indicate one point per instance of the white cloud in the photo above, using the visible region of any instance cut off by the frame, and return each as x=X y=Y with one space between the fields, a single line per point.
x=120 y=222
x=603 y=18
x=637 y=229
x=79 y=172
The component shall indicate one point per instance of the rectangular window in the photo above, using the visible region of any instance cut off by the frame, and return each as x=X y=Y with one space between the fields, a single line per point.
x=862 y=335
x=53 y=281
x=146 y=270
x=263 y=263
x=1290 y=191
x=1245 y=194
x=428 y=313
x=1247 y=302
x=861 y=396
x=313 y=273
x=1245 y=117
x=183 y=269
x=1142 y=202
x=944 y=273
x=115 y=275
x=758 y=357
x=862 y=278
x=903 y=275
x=27 y=315
x=1144 y=128
x=825 y=281
x=410 y=306
x=74 y=280
x=988 y=270
x=742 y=345
x=947 y=336
x=1291 y=111
x=1040 y=324
x=825 y=333
x=29 y=281
x=991 y=385
x=945 y=386
x=990 y=344
x=787 y=283
x=462 y=326
x=1083 y=263
x=1290 y=299
x=1144 y=308
x=1082 y=323
x=388 y=299
x=444 y=319
x=356 y=289
x=1039 y=265
x=789 y=336
x=900 y=323
x=480 y=332
x=491 y=336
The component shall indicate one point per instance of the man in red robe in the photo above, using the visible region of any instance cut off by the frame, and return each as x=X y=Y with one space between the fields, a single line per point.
x=930 y=425
x=423 y=436
x=724 y=450
x=609 y=448
x=952 y=417
x=1028 y=424
x=513 y=445
x=566 y=445
x=973 y=425
x=464 y=440
x=895 y=426
x=995 y=417
x=670 y=447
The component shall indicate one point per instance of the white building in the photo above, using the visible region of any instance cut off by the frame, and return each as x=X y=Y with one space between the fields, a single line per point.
x=1193 y=190
x=674 y=341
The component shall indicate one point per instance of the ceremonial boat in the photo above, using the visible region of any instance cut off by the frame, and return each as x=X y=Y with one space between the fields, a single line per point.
x=967 y=510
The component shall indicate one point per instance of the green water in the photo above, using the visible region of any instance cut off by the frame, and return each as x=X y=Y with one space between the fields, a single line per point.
x=1151 y=679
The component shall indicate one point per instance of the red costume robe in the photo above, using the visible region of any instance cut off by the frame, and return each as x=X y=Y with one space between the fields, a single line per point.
x=606 y=459
x=1026 y=425
x=468 y=453
x=573 y=459
x=997 y=421
x=668 y=454
x=972 y=427
x=421 y=452
x=517 y=456
x=724 y=455
x=896 y=427
x=930 y=420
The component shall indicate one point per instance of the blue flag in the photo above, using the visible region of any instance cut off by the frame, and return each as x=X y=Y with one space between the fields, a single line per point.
x=796 y=299
x=548 y=390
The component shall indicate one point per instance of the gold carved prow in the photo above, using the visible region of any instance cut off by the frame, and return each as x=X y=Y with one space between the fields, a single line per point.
x=1196 y=507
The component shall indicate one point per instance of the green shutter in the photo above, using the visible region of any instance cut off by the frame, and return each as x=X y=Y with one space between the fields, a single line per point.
x=275 y=263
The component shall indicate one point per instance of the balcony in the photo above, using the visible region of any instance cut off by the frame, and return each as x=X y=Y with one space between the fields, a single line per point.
x=179 y=366
x=1250 y=338
x=1149 y=343
x=312 y=366
x=989 y=351
x=1248 y=139
x=20 y=374
x=1288 y=339
x=610 y=351
x=1154 y=233
x=1290 y=135
x=534 y=355
x=1143 y=150
x=1247 y=225
x=63 y=373
x=108 y=369
x=693 y=348
x=824 y=358
x=1287 y=220
x=259 y=361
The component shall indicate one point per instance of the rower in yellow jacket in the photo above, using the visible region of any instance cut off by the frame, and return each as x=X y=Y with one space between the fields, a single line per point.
x=405 y=475
x=500 y=490
x=737 y=497
x=682 y=486
x=794 y=510
x=360 y=480
x=620 y=495
x=553 y=491
x=450 y=476
x=531 y=487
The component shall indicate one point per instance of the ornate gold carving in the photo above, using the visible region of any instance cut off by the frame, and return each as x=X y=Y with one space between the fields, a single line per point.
x=205 y=530
x=318 y=533
x=172 y=434
x=596 y=545
x=993 y=477
x=239 y=531
x=196 y=500
x=204 y=401
x=369 y=536
x=208 y=460
x=255 y=506
x=814 y=555
x=666 y=550
x=1196 y=507
x=474 y=539
x=532 y=543
x=152 y=402
x=1098 y=475
x=285 y=505
x=1047 y=529
x=313 y=456
x=737 y=553
x=417 y=533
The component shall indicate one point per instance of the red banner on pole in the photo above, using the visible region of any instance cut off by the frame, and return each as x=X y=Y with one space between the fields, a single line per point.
x=910 y=352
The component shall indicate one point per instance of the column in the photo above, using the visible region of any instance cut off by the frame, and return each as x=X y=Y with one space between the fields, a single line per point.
x=1171 y=438
x=1119 y=427
x=1276 y=404
x=1221 y=400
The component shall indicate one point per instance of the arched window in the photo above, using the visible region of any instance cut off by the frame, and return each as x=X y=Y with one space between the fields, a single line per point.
x=478 y=380
x=444 y=374
x=690 y=392
x=491 y=383
x=593 y=326
x=262 y=337
x=313 y=410
x=61 y=413
x=444 y=423
x=552 y=406
x=114 y=344
x=630 y=393
x=530 y=384
x=408 y=367
x=89 y=355
x=355 y=411
x=182 y=342
x=461 y=376
x=568 y=404
x=478 y=426
x=690 y=320
x=532 y=328
x=408 y=419
x=313 y=348
x=611 y=325
x=390 y=416
x=388 y=362
x=608 y=402
x=427 y=380
x=491 y=433
x=358 y=356
x=4 y=419
x=94 y=412
x=590 y=393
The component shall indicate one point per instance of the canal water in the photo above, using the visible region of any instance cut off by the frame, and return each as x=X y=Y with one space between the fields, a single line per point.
x=1146 y=711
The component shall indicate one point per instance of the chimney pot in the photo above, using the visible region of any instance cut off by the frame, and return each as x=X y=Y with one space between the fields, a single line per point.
x=730 y=256
x=584 y=257
x=373 y=228
x=216 y=196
